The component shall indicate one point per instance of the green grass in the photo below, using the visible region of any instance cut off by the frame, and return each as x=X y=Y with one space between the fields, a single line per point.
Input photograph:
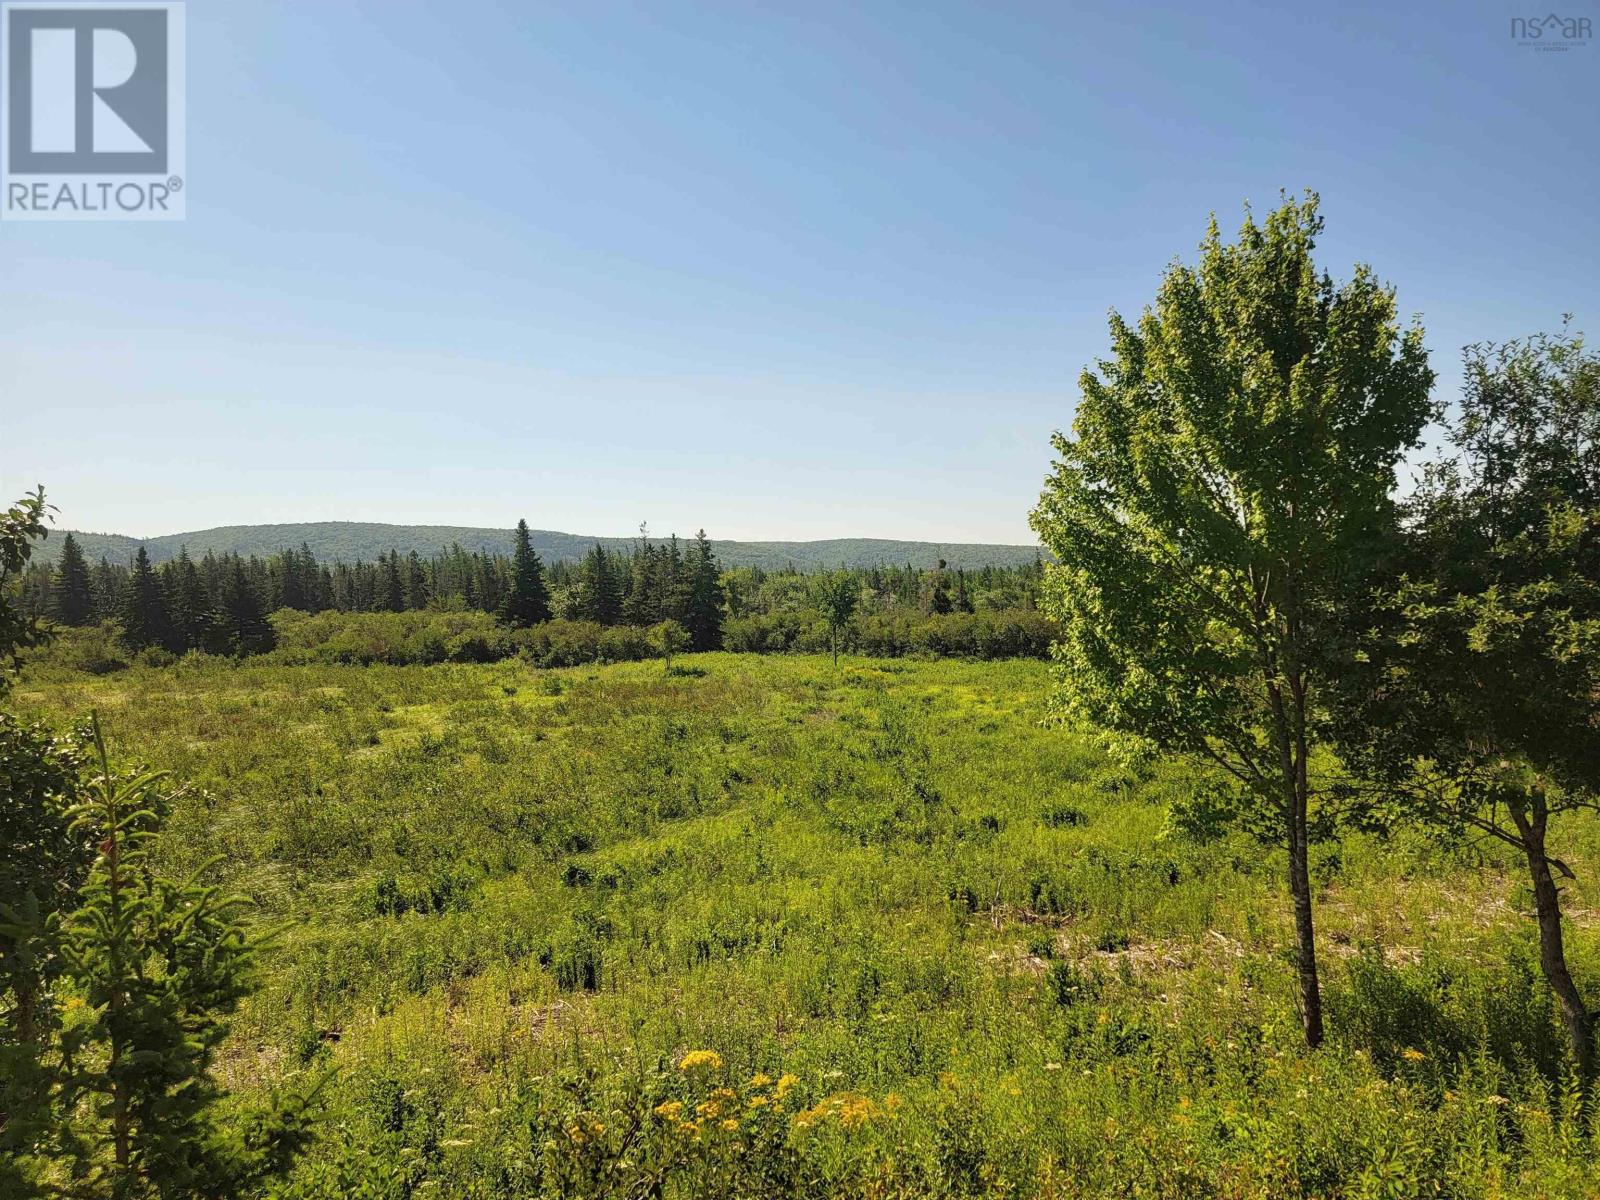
x=514 y=899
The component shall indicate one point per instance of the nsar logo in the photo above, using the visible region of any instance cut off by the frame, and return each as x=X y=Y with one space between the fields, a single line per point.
x=1552 y=32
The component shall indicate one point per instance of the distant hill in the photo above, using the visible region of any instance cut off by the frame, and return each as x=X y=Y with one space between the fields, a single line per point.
x=350 y=541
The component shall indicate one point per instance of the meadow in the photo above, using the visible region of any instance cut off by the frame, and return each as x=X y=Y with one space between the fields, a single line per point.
x=760 y=926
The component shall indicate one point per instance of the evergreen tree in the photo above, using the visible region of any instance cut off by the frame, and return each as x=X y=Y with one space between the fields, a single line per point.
x=939 y=595
x=73 y=596
x=238 y=625
x=706 y=603
x=641 y=606
x=599 y=595
x=106 y=584
x=187 y=602
x=528 y=600
x=144 y=607
x=416 y=583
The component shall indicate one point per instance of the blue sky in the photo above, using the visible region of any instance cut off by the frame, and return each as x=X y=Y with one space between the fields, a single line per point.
x=808 y=272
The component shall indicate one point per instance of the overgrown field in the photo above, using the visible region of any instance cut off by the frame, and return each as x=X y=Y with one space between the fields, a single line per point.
x=761 y=928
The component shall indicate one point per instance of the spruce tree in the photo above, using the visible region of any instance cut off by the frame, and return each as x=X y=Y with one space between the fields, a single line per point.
x=187 y=602
x=706 y=601
x=238 y=624
x=106 y=585
x=641 y=605
x=528 y=600
x=600 y=596
x=416 y=583
x=74 y=597
x=144 y=607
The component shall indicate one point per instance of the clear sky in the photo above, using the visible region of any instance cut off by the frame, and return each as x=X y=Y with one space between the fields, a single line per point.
x=808 y=272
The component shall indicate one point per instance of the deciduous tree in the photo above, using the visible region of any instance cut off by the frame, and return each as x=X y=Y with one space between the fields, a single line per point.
x=1228 y=464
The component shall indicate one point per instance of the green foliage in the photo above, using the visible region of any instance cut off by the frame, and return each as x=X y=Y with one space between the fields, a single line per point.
x=72 y=598
x=836 y=597
x=20 y=526
x=116 y=982
x=667 y=638
x=527 y=601
x=1469 y=697
x=145 y=621
x=516 y=899
x=1229 y=468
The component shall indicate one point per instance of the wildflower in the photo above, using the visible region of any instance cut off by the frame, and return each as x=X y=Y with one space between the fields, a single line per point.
x=760 y=1079
x=701 y=1058
x=1411 y=1054
x=669 y=1109
x=757 y=1101
x=730 y=1124
x=784 y=1084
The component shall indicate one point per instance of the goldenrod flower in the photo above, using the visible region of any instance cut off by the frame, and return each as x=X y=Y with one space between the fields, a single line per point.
x=701 y=1058
x=1411 y=1054
x=669 y=1109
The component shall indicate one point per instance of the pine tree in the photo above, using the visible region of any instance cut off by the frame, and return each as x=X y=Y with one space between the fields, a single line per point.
x=641 y=606
x=187 y=602
x=599 y=596
x=392 y=596
x=939 y=596
x=160 y=963
x=106 y=586
x=416 y=583
x=238 y=625
x=528 y=601
x=144 y=607
x=74 y=596
x=706 y=601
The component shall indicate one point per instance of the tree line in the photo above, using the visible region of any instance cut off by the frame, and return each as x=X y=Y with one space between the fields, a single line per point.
x=221 y=604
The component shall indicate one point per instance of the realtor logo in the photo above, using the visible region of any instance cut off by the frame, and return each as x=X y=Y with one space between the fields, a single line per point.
x=93 y=127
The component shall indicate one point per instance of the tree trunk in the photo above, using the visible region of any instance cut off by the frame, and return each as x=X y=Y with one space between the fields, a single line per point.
x=1304 y=929
x=1292 y=758
x=1552 y=953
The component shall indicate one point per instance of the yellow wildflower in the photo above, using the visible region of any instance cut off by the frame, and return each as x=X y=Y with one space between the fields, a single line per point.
x=730 y=1124
x=757 y=1101
x=669 y=1109
x=760 y=1079
x=1411 y=1054
x=701 y=1058
x=784 y=1085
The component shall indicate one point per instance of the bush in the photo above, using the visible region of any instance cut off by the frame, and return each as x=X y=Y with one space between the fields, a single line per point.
x=395 y=639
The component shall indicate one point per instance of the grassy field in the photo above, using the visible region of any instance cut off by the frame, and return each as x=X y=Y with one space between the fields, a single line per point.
x=927 y=944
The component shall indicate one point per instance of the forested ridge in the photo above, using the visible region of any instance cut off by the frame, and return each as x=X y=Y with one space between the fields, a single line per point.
x=353 y=541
